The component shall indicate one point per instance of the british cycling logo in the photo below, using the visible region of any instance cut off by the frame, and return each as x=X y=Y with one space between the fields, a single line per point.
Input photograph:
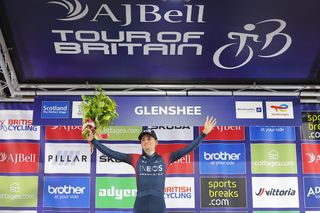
x=75 y=10
x=243 y=38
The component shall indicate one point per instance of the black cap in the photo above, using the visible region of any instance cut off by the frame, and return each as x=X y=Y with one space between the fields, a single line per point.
x=147 y=132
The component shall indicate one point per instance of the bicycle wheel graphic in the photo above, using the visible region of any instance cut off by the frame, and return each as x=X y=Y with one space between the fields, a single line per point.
x=216 y=57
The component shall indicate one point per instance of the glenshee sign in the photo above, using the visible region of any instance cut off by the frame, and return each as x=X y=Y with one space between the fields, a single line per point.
x=193 y=38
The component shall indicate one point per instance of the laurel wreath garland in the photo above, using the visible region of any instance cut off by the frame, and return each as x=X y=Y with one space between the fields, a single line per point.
x=99 y=112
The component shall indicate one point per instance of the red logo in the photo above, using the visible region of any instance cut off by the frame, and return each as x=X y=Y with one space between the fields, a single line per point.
x=225 y=133
x=63 y=133
x=311 y=158
x=184 y=165
x=19 y=157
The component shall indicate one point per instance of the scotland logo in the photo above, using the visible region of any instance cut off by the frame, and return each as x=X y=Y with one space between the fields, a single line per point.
x=75 y=11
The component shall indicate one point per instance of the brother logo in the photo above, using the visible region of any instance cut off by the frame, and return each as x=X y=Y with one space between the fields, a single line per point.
x=221 y=156
x=66 y=190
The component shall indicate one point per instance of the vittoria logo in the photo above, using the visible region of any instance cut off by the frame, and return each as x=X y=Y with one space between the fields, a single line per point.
x=275 y=192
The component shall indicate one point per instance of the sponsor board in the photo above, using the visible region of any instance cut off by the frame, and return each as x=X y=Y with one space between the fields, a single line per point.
x=19 y=157
x=225 y=133
x=218 y=192
x=114 y=211
x=310 y=129
x=76 y=109
x=108 y=165
x=66 y=192
x=17 y=124
x=249 y=110
x=74 y=133
x=273 y=159
x=67 y=158
x=55 y=109
x=311 y=192
x=310 y=158
x=64 y=211
x=275 y=192
x=279 y=110
x=170 y=133
x=179 y=192
x=224 y=212
x=222 y=159
x=14 y=211
x=272 y=133
x=184 y=165
x=115 y=192
x=276 y=211
x=18 y=191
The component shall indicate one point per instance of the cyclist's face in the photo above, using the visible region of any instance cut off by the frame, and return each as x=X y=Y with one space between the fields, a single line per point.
x=148 y=143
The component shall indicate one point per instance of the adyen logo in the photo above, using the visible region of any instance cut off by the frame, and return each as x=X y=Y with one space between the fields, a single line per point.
x=117 y=192
x=19 y=157
x=67 y=158
x=179 y=192
x=279 y=110
x=55 y=109
x=73 y=192
x=223 y=192
x=275 y=192
x=311 y=191
x=311 y=158
x=273 y=158
x=18 y=191
x=74 y=8
x=230 y=159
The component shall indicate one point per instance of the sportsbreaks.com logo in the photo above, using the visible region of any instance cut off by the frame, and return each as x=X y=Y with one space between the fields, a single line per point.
x=223 y=192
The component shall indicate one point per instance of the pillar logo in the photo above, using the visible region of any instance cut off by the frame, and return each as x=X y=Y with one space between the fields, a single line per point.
x=107 y=165
x=223 y=192
x=72 y=192
x=275 y=192
x=273 y=158
x=67 y=158
x=115 y=192
x=19 y=191
x=311 y=158
x=230 y=159
x=311 y=191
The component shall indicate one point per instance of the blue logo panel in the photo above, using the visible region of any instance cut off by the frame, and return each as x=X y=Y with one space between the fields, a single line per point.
x=55 y=109
x=222 y=159
x=311 y=191
x=272 y=133
x=66 y=192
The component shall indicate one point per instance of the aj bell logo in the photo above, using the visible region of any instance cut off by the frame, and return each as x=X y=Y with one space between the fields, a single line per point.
x=313 y=158
x=74 y=11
